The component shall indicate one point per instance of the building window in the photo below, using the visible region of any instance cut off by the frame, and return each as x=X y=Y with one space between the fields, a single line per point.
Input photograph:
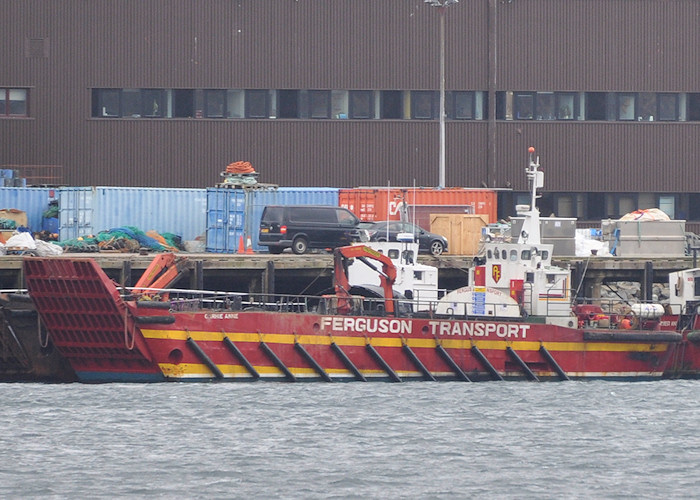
x=319 y=103
x=339 y=104
x=391 y=104
x=106 y=103
x=257 y=104
x=288 y=104
x=668 y=107
x=129 y=103
x=13 y=102
x=153 y=103
x=626 y=109
x=524 y=106
x=566 y=106
x=546 y=103
x=215 y=103
x=361 y=104
x=422 y=105
x=183 y=103
x=462 y=106
x=646 y=106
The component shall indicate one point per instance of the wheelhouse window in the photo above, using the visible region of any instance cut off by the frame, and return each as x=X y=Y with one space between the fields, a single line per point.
x=13 y=102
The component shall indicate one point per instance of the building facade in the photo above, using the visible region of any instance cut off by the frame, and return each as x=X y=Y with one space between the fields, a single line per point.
x=345 y=93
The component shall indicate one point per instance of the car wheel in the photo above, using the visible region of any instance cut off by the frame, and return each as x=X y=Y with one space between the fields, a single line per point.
x=436 y=247
x=300 y=245
x=276 y=250
x=381 y=238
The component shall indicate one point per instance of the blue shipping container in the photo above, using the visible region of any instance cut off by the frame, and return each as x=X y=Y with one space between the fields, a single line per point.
x=89 y=210
x=227 y=220
x=33 y=201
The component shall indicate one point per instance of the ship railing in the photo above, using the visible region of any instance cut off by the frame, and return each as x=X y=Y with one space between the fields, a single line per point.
x=190 y=300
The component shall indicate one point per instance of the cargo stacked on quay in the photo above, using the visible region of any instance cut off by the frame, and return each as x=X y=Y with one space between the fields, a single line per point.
x=517 y=319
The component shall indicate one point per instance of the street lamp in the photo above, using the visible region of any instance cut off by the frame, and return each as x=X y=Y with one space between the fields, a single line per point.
x=442 y=6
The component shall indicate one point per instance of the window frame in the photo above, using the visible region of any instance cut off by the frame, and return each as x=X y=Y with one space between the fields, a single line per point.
x=6 y=109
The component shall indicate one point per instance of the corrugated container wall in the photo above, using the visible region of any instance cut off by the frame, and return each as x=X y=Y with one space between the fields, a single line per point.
x=33 y=201
x=236 y=213
x=88 y=210
x=376 y=204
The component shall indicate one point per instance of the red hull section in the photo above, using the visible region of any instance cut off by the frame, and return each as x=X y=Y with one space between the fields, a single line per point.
x=108 y=339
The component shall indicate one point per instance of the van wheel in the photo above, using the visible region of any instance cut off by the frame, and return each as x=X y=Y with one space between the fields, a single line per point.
x=299 y=245
x=436 y=248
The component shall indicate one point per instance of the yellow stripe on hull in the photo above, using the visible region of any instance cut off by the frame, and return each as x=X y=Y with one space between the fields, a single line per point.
x=465 y=343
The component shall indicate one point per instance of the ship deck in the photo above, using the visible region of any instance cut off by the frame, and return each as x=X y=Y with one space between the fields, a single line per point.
x=312 y=273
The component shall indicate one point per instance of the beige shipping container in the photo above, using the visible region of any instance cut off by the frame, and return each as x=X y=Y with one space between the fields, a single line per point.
x=463 y=232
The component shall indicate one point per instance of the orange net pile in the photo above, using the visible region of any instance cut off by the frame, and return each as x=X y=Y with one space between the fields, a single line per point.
x=240 y=167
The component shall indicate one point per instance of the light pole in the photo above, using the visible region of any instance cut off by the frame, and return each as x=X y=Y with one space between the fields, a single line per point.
x=442 y=6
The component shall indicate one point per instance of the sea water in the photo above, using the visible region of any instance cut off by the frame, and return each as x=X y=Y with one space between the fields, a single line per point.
x=355 y=440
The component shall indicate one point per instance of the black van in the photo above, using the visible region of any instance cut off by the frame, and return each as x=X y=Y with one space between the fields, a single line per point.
x=301 y=227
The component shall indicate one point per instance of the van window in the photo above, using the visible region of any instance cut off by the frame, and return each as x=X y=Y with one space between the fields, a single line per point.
x=273 y=214
x=346 y=218
x=312 y=214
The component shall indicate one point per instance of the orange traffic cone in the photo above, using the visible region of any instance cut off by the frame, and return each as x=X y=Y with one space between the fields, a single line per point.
x=241 y=248
x=249 y=246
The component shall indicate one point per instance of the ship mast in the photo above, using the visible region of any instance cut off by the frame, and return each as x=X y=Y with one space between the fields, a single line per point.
x=530 y=232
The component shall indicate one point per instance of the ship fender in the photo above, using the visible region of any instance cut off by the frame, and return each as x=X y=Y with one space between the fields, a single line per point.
x=514 y=356
x=384 y=365
x=152 y=304
x=485 y=363
x=155 y=320
x=417 y=362
x=309 y=359
x=277 y=361
x=204 y=358
x=241 y=358
x=347 y=362
x=694 y=336
x=552 y=362
x=452 y=364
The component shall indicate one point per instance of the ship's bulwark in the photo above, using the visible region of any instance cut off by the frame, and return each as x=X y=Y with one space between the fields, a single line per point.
x=106 y=338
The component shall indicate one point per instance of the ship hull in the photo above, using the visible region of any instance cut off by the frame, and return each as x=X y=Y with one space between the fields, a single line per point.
x=108 y=339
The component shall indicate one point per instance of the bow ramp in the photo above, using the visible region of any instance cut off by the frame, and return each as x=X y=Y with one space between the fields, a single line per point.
x=87 y=320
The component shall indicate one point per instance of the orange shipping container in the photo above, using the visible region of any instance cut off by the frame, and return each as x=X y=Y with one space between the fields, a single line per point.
x=376 y=204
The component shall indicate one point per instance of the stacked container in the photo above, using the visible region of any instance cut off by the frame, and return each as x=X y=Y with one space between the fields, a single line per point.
x=378 y=204
x=233 y=214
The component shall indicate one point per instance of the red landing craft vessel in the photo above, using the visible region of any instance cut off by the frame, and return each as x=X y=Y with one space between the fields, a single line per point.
x=516 y=320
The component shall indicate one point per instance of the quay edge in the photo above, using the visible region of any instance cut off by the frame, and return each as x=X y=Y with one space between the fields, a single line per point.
x=289 y=273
